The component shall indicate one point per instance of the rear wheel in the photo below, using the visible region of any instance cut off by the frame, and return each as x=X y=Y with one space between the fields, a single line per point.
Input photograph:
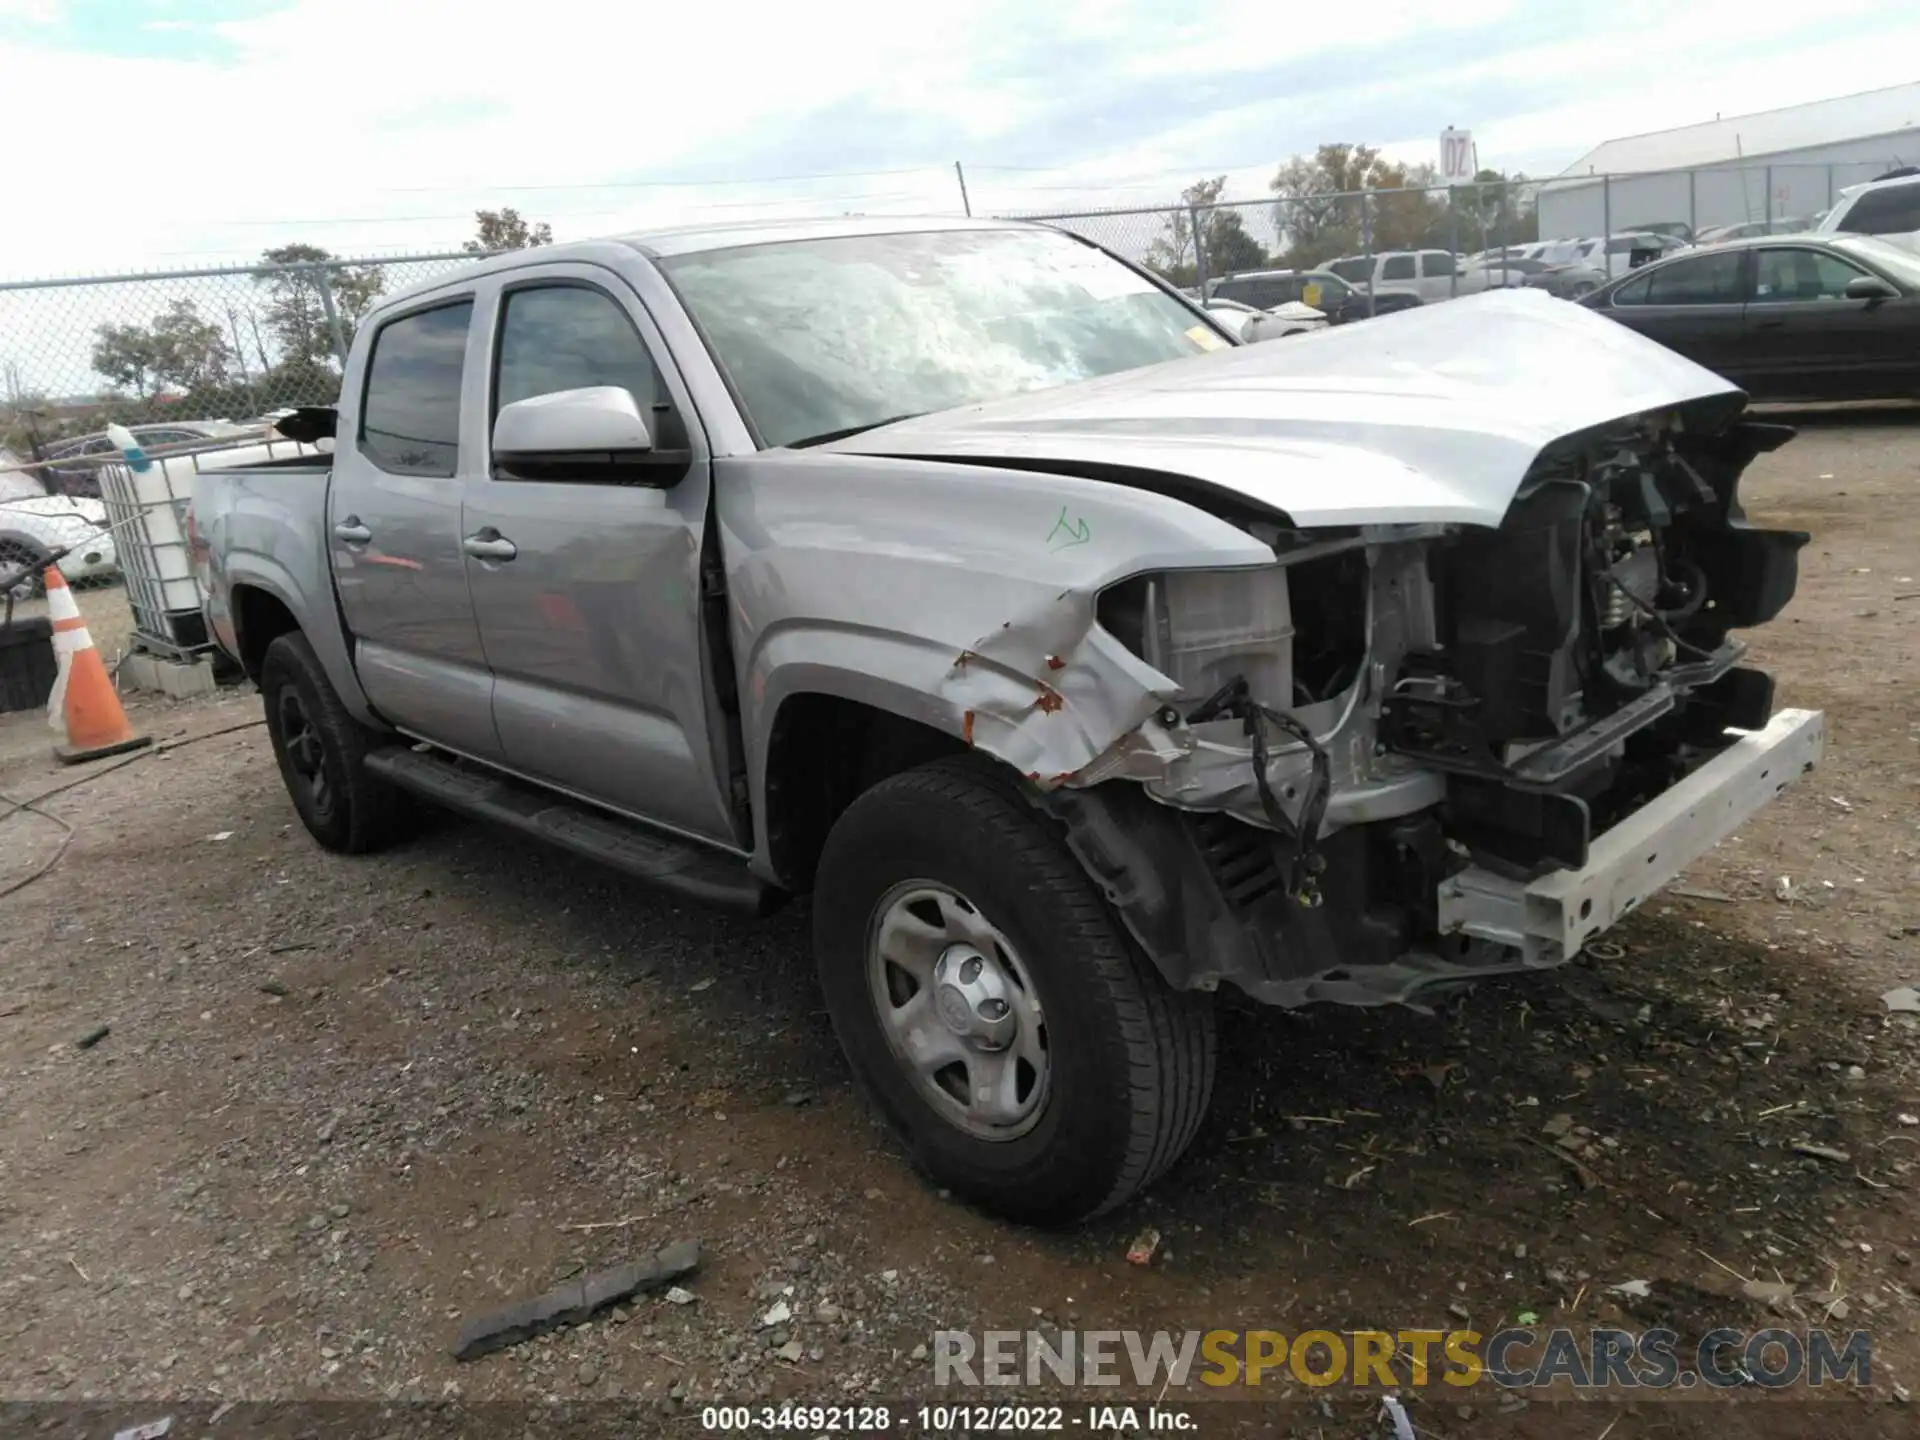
x=1029 y=1057
x=321 y=750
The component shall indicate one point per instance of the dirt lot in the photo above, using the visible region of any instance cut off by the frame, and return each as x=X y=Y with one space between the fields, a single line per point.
x=344 y=1104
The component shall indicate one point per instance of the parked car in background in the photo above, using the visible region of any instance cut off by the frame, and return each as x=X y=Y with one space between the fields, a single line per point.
x=1493 y=271
x=175 y=437
x=1249 y=323
x=1321 y=289
x=1805 y=317
x=1292 y=318
x=1888 y=207
x=1676 y=229
x=1613 y=255
x=34 y=527
x=1785 y=225
x=1231 y=314
x=1568 y=282
x=1424 y=275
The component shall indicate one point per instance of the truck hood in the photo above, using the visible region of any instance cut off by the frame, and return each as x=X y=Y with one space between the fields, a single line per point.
x=1430 y=415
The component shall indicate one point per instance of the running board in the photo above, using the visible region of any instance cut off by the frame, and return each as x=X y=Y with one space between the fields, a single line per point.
x=709 y=876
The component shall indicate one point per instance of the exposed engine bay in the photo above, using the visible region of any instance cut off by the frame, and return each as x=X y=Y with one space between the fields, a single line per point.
x=1390 y=709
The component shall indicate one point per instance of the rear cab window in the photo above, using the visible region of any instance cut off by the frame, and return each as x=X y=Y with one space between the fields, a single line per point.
x=410 y=412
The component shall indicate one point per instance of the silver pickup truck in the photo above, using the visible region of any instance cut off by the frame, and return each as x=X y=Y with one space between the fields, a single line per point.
x=1072 y=658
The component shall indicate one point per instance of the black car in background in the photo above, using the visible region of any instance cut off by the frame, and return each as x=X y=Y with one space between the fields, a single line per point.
x=1785 y=317
x=1322 y=289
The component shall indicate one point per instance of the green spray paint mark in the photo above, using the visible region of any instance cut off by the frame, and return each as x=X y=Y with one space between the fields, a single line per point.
x=1066 y=533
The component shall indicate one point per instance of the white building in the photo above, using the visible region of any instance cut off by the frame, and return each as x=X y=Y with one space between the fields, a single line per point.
x=1776 y=165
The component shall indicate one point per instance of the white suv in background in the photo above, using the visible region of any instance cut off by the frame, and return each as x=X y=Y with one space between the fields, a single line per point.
x=1409 y=276
x=1888 y=207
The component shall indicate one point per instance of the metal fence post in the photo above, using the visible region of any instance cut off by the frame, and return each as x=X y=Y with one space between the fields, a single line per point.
x=1453 y=241
x=1606 y=219
x=1199 y=250
x=333 y=314
x=1366 y=247
x=1766 y=212
x=1693 y=203
x=1829 y=185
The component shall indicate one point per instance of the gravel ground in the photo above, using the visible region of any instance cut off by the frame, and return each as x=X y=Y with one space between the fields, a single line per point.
x=344 y=1105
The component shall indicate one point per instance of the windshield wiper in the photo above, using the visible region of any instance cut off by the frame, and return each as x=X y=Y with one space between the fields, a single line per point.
x=829 y=436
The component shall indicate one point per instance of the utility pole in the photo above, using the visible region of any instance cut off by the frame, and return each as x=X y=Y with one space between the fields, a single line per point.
x=965 y=203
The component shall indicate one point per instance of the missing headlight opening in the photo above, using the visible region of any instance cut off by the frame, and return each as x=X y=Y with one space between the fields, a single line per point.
x=1297 y=633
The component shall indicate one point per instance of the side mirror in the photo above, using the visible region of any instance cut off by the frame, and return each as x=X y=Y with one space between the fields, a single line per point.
x=1870 y=288
x=572 y=434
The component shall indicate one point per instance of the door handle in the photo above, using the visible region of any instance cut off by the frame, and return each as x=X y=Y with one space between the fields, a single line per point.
x=352 y=531
x=1768 y=324
x=489 y=544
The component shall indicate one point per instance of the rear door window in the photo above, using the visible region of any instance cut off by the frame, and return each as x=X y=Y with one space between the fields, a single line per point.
x=1397 y=267
x=1436 y=262
x=410 y=418
x=1701 y=280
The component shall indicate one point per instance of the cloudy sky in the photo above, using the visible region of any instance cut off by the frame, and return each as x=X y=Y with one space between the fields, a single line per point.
x=153 y=133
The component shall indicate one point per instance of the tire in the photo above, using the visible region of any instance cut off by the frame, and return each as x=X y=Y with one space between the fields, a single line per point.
x=1126 y=1062
x=322 y=750
x=23 y=550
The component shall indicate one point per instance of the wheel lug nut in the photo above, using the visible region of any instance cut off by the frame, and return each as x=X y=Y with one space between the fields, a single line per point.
x=993 y=1008
x=970 y=969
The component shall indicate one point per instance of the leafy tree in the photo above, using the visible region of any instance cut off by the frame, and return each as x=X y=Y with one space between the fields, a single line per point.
x=1497 y=209
x=129 y=357
x=504 y=229
x=296 y=313
x=1228 y=245
x=1222 y=236
x=190 y=352
x=1324 y=210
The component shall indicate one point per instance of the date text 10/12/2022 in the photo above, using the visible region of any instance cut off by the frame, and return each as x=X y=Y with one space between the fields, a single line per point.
x=961 y=1419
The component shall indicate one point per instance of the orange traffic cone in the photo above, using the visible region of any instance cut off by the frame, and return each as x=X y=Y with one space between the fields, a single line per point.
x=83 y=701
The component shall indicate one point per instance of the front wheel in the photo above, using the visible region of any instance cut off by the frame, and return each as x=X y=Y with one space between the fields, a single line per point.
x=1026 y=1053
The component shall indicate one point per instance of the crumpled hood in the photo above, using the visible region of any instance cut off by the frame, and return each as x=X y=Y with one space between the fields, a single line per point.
x=1434 y=414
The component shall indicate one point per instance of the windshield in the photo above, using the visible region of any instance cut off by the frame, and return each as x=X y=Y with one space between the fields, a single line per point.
x=824 y=337
x=1896 y=261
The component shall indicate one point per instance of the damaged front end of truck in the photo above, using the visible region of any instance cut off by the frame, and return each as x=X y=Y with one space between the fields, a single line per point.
x=1404 y=757
x=1483 y=693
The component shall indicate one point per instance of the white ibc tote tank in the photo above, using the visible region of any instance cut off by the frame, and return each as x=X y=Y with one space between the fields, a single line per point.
x=147 y=499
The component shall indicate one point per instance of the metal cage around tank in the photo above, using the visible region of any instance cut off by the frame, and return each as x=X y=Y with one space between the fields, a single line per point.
x=148 y=511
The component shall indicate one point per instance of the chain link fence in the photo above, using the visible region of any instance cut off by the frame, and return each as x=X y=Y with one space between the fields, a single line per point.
x=195 y=360
x=191 y=361
x=1195 y=245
